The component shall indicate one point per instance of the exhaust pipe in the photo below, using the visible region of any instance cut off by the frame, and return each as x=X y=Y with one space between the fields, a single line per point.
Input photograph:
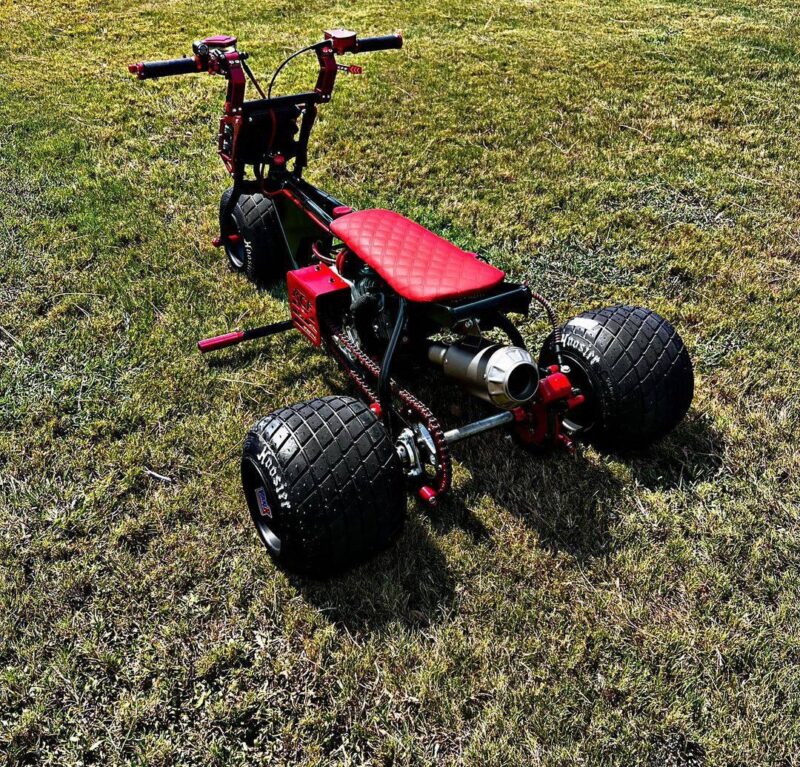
x=506 y=376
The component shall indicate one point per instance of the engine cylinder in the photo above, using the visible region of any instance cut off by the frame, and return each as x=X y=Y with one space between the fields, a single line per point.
x=506 y=376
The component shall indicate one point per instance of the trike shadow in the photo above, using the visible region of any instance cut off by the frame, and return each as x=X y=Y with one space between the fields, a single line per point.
x=267 y=351
x=572 y=501
x=409 y=583
x=694 y=452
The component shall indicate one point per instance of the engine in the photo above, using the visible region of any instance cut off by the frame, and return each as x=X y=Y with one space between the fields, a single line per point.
x=372 y=311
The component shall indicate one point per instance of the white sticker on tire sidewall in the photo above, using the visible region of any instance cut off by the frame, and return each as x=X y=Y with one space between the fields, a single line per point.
x=270 y=466
x=583 y=322
x=582 y=347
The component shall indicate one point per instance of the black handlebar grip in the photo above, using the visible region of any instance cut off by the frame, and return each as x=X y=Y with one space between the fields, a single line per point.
x=147 y=69
x=383 y=43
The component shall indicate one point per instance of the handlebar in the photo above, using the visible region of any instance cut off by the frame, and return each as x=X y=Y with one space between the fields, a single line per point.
x=382 y=43
x=343 y=41
x=218 y=55
x=183 y=66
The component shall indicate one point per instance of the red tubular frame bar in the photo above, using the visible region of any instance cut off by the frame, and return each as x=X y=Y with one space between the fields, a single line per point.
x=302 y=202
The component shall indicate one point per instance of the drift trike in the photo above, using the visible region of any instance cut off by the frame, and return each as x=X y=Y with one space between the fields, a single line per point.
x=325 y=480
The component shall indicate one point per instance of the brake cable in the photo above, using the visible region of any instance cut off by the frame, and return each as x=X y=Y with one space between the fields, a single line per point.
x=284 y=63
x=249 y=73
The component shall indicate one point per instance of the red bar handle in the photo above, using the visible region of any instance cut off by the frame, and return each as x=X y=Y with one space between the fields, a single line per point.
x=220 y=342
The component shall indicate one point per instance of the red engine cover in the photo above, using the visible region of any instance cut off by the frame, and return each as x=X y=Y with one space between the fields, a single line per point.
x=310 y=289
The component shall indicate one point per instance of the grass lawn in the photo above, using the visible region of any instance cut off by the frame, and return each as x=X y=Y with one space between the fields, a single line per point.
x=567 y=610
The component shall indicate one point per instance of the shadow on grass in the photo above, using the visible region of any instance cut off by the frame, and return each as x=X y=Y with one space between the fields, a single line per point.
x=571 y=500
x=409 y=583
x=693 y=453
x=272 y=348
x=567 y=499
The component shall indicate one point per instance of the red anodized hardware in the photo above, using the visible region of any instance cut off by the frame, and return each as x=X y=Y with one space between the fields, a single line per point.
x=233 y=239
x=554 y=386
x=428 y=496
x=533 y=424
x=220 y=41
x=342 y=40
x=575 y=401
x=565 y=441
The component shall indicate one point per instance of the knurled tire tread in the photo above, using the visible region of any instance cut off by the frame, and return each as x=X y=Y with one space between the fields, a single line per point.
x=255 y=216
x=643 y=380
x=343 y=479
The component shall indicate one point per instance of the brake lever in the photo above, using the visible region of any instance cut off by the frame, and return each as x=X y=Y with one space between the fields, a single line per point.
x=350 y=69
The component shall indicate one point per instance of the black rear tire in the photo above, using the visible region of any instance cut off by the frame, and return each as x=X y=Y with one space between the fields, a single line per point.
x=324 y=485
x=259 y=252
x=633 y=368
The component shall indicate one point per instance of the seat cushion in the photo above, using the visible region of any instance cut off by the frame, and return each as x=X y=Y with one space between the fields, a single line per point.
x=418 y=264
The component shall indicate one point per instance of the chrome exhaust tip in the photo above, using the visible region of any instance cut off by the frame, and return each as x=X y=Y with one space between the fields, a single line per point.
x=506 y=376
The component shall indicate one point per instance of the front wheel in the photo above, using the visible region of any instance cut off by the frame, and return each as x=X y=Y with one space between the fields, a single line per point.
x=324 y=484
x=256 y=248
x=634 y=370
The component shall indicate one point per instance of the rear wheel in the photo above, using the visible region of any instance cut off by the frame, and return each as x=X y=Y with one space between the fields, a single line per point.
x=634 y=370
x=324 y=484
x=257 y=249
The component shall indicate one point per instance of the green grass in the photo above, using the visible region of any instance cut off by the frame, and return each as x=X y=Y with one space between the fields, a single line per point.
x=586 y=610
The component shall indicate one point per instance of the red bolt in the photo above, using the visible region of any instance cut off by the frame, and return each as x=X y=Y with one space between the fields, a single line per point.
x=575 y=401
x=428 y=496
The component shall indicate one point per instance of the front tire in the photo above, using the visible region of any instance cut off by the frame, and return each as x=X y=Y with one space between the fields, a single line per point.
x=634 y=370
x=324 y=485
x=258 y=251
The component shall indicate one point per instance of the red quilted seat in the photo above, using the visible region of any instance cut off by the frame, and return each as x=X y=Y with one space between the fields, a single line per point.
x=418 y=264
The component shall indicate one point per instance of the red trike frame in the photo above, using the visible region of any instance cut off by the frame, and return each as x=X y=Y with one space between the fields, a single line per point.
x=259 y=134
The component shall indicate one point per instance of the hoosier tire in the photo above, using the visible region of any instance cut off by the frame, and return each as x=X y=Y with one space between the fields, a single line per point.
x=633 y=368
x=259 y=252
x=324 y=484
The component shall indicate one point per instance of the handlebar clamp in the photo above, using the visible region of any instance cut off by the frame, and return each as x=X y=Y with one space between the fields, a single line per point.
x=342 y=40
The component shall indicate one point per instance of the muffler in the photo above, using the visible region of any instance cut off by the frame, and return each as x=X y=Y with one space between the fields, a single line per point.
x=506 y=376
